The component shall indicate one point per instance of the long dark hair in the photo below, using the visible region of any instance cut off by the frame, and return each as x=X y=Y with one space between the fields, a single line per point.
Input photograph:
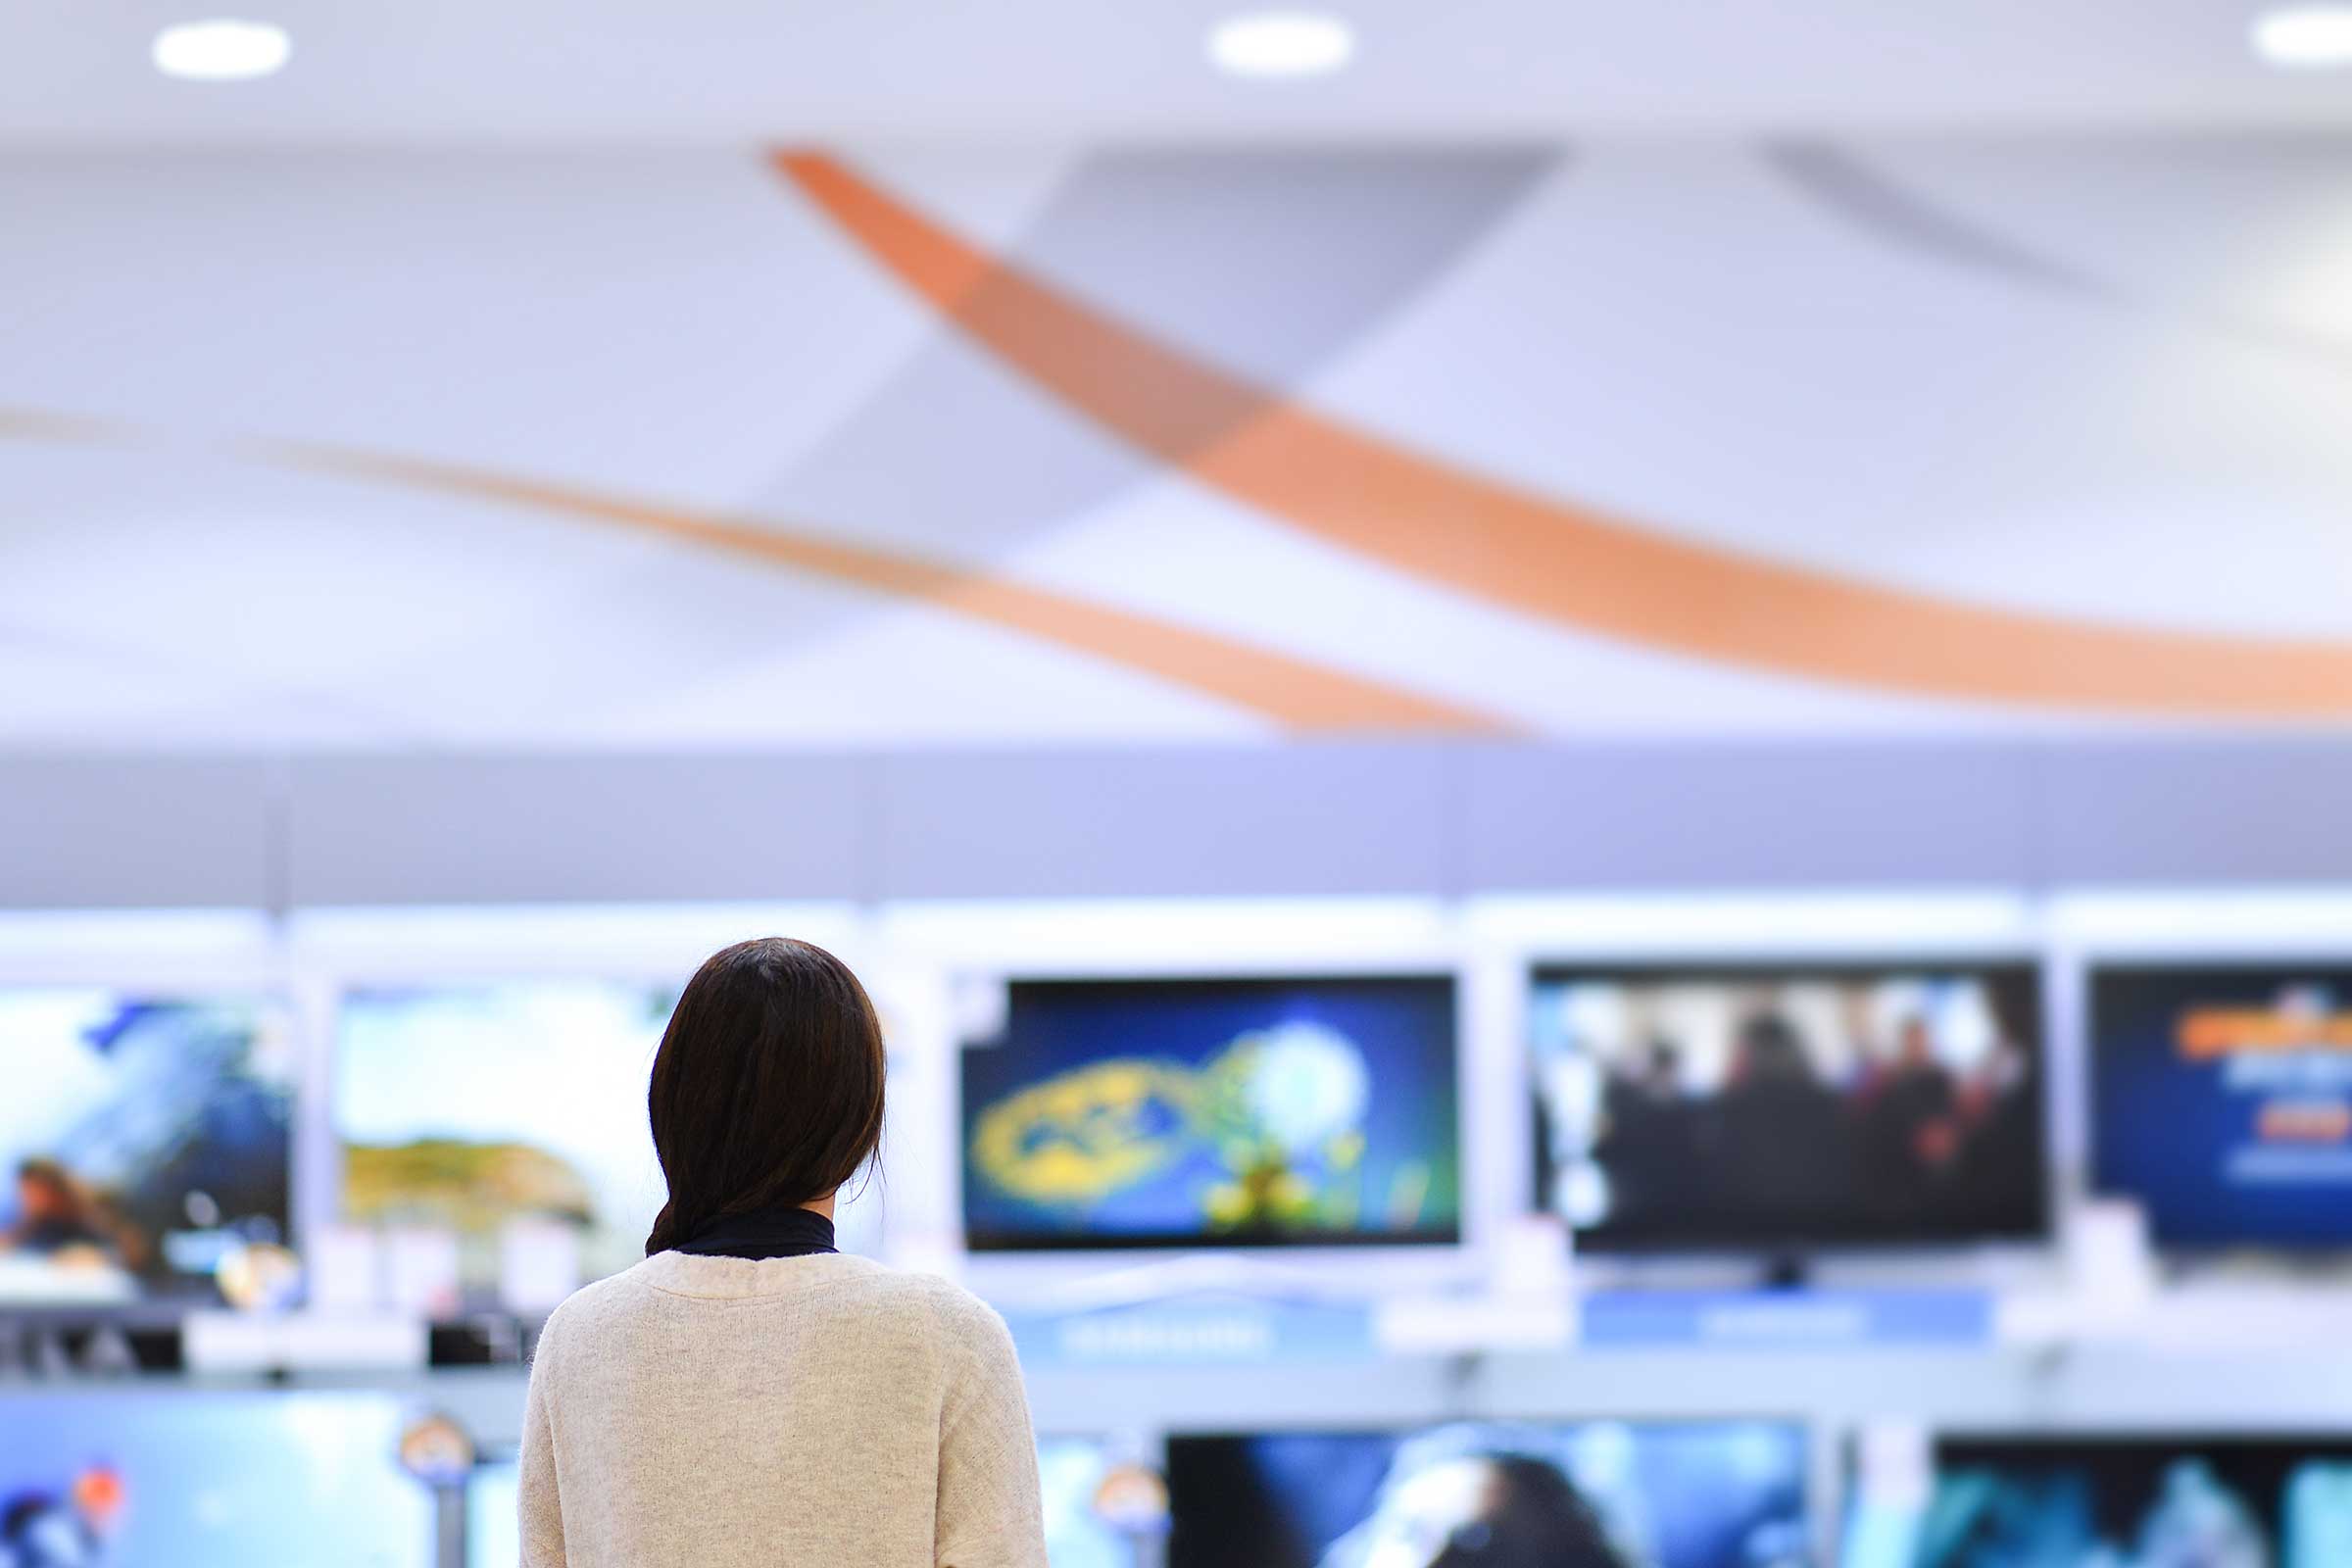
x=767 y=1089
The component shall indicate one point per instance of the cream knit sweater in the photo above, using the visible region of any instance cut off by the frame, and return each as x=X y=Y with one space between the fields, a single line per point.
x=799 y=1412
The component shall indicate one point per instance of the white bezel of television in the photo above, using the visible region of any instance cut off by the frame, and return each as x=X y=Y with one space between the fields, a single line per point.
x=148 y=1136
x=1754 y=935
x=972 y=955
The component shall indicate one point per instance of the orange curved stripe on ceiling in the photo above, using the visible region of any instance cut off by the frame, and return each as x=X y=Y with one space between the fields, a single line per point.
x=1297 y=693
x=1563 y=562
x=41 y=425
x=1293 y=692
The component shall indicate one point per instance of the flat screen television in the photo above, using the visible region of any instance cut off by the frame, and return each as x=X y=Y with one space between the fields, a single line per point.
x=144 y=1140
x=1594 y=1495
x=1080 y=1532
x=493 y=1521
x=2108 y=1501
x=207 y=1480
x=1262 y=1112
x=1787 y=1107
x=471 y=1107
x=2222 y=1101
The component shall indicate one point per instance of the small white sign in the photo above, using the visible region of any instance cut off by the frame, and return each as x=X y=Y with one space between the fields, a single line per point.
x=538 y=1264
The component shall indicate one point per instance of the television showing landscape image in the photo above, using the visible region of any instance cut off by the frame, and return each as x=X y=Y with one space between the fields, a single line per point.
x=475 y=1108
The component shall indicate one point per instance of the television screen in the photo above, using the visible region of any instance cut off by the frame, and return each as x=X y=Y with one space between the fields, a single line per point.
x=207 y=1480
x=2222 y=1100
x=145 y=1141
x=2101 y=1503
x=1191 y=1112
x=1079 y=1511
x=471 y=1108
x=1726 y=1494
x=1755 y=1108
x=493 y=1526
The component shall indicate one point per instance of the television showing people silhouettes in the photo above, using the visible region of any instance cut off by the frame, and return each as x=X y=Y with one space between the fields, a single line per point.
x=2222 y=1101
x=1586 y=1494
x=1259 y=1112
x=2106 y=1501
x=1783 y=1108
x=146 y=1144
x=123 y=1478
x=471 y=1108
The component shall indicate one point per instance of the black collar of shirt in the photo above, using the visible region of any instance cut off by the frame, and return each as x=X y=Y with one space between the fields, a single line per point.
x=763 y=1233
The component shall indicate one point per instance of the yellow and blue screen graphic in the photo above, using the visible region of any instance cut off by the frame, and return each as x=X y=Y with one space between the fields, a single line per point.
x=1191 y=1112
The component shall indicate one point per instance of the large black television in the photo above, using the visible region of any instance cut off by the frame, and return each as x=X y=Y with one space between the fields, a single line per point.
x=1199 y=1112
x=1783 y=1108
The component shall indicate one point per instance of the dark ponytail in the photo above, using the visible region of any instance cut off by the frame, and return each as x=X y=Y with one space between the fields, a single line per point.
x=767 y=1090
x=665 y=1233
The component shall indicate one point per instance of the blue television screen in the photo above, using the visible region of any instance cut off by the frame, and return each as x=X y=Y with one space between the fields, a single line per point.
x=2222 y=1101
x=493 y=1526
x=2103 y=1502
x=1194 y=1112
x=1770 y=1107
x=1073 y=1471
x=120 y=1479
x=143 y=1140
x=1599 y=1495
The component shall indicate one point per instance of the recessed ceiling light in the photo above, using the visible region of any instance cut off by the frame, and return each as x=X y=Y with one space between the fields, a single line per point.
x=2307 y=37
x=221 y=50
x=1281 y=44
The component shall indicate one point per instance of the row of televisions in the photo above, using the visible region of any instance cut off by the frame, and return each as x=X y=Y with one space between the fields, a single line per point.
x=1727 y=1108
x=227 y=1479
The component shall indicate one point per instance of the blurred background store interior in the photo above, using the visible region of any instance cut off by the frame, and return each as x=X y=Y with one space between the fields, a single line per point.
x=1589 y=756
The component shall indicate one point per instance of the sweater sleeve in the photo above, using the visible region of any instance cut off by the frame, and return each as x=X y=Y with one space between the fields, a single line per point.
x=542 y=1513
x=991 y=1508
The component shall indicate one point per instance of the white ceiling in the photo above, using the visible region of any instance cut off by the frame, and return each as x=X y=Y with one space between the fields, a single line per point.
x=707 y=70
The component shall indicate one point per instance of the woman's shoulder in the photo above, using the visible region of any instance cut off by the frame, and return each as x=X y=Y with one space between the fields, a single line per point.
x=593 y=1304
x=841 y=1282
x=840 y=1313
x=973 y=1345
x=931 y=1299
x=968 y=1336
x=954 y=1308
